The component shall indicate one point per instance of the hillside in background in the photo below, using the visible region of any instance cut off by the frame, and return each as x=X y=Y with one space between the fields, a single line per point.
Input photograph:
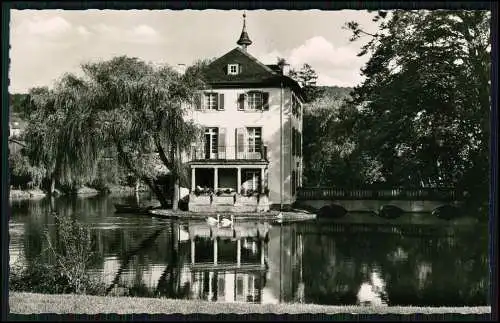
x=336 y=92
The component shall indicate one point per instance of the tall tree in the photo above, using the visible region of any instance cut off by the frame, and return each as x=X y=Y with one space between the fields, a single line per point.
x=326 y=141
x=61 y=137
x=141 y=109
x=124 y=103
x=423 y=109
x=306 y=77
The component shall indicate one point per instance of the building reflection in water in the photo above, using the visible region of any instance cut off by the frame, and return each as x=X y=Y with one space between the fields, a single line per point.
x=227 y=264
x=248 y=262
x=372 y=291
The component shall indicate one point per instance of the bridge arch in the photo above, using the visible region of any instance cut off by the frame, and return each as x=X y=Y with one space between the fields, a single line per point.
x=446 y=212
x=332 y=211
x=390 y=211
x=374 y=206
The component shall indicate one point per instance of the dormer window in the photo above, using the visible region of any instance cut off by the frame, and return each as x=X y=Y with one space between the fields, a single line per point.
x=233 y=69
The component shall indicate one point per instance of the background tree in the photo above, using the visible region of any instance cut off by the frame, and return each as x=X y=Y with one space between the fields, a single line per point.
x=60 y=136
x=328 y=147
x=307 y=77
x=423 y=109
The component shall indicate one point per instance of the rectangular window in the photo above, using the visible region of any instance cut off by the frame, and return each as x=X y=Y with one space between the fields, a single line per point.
x=221 y=286
x=211 y=143
x=239 y=286
x=232 y=69
x=254 y=135
x=211 y=101
x=300 y=144
x=255 y=101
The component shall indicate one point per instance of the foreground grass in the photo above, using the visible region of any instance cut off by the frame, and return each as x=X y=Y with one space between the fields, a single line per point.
x=28 y=303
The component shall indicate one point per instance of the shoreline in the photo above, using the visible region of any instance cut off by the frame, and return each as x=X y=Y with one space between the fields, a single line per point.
x=37 y=194
x=31 y=303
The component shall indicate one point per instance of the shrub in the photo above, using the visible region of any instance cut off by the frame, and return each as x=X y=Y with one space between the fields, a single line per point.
x=62 y=267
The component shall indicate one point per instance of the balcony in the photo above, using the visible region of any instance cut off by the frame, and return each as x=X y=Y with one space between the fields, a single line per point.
x=229 y=152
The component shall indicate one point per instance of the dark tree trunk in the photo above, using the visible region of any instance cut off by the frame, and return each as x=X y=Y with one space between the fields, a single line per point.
x=157 y=191
x=52 y=204
x=175 y=198
x=175 y=152
x=149 y=181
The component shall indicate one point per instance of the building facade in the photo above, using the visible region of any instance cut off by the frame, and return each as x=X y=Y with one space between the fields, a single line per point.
x=251 y=152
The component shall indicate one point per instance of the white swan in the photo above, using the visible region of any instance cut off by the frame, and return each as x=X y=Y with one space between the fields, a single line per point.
x=227 y=223
x=279 y=218
x=212 y=221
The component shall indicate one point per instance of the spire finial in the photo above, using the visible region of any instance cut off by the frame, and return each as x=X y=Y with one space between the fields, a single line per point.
x=244 y=40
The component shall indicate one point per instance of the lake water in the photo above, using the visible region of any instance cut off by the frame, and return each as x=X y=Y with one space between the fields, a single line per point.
x=311 y=262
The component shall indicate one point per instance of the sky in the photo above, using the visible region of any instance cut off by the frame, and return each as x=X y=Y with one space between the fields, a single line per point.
x=45 y=44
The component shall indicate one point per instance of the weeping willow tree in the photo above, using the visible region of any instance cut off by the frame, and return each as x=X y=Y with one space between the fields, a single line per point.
x=61 y=137
x=140 y=108
x=136 y=108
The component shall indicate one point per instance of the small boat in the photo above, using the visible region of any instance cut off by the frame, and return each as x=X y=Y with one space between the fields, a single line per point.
x=134 y=209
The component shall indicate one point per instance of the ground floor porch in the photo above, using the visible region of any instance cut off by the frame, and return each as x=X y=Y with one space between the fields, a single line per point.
x=237 y=179
x=229 y=187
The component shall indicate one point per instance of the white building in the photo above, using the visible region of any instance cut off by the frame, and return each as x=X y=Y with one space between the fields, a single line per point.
x=252 y=115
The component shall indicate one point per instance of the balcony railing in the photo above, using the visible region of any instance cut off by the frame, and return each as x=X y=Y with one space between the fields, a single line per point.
x=229 y=152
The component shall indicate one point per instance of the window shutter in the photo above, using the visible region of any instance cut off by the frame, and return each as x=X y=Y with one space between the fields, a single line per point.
x=240 y=68
x=241 y=101
x=216 y=99
x=221 y=101
x=265 y=100
x=198 y=101
x=222 y=143
x=240 y=140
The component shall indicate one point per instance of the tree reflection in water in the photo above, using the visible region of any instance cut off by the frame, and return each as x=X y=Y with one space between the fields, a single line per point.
x=304 y=262
x=413 y=270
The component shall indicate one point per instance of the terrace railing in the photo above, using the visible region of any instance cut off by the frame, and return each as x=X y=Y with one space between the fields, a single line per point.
x=329 y=193
x=229 y=152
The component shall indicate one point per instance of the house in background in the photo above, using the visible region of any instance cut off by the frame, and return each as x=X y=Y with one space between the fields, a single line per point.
x=16 y=128
x=251 y=152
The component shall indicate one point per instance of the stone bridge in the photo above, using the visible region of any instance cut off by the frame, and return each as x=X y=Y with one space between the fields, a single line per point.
x=373 y=200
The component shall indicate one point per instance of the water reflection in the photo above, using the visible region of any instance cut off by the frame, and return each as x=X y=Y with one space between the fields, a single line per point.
x=256 y=261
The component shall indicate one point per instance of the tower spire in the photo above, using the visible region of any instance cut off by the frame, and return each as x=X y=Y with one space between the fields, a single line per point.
x=244 y=40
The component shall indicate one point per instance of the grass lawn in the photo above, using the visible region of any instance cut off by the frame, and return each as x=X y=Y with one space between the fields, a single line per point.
x=28 y=303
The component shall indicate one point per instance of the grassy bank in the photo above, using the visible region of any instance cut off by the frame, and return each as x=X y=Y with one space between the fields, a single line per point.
x=28 y=303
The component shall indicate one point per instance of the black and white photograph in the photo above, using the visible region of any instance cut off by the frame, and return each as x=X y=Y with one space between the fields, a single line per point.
x=249 y=161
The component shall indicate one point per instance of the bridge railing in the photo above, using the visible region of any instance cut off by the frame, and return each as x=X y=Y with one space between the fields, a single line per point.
x=334 y=193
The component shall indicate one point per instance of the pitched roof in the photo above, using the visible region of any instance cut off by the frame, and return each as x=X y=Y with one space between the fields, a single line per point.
x=253 y=72
x=275 y=67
